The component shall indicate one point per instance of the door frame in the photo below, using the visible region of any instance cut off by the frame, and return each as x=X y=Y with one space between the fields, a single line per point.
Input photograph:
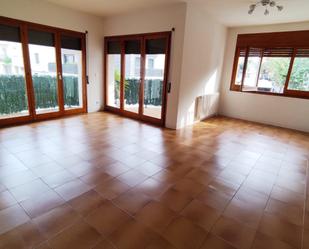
x=143 y=37
x=24 y=26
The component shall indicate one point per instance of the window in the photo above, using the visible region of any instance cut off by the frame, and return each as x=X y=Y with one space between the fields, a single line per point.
x=72 y=70
x=113 y=73
x=299 y=80
x=272 y=63
x=13 y=89
x=42 y=72
x=240 y=66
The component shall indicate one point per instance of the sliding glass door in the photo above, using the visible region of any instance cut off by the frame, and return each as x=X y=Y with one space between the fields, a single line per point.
x=136 y=75
x=13 y=88
x=155 y=61
x=72 y=67
x=113 y=73
x=42 y=72
x=132 y=75
x=42 y=53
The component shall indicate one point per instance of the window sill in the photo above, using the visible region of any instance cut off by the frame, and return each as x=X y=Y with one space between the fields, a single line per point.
x=294 y=94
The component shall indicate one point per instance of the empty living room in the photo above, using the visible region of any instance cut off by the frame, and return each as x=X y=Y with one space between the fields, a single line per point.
x=154 y=124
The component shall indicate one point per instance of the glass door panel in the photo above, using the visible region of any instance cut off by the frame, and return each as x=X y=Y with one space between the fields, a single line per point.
x=44 y=71
x=132 y=75
x=13 y=90
x=72 y=72
x=113 y=73
x=155 y=58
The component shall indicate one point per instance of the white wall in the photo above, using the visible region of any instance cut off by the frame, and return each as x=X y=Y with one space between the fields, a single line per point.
x=157 y=20
x=280 y=111
x=203 y=53
x=49 y=14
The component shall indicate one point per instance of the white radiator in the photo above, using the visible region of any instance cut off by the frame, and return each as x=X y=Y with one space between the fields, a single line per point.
x=206 y=106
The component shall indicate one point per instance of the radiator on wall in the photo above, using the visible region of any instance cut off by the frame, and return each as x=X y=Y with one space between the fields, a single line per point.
x=206 y=106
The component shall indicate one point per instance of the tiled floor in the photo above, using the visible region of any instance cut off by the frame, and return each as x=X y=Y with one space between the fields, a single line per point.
x=103 y=181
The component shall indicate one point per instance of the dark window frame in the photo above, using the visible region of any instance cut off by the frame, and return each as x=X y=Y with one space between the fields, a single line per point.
x=293 y=40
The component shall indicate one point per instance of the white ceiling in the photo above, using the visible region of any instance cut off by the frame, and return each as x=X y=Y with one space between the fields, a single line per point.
x=229 y=12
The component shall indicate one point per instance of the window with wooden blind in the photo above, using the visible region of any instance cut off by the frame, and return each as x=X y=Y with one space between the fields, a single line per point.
x=272 y=63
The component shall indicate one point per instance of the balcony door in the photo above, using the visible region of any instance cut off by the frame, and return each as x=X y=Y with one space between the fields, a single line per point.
x=42 y=72
x=136 y=71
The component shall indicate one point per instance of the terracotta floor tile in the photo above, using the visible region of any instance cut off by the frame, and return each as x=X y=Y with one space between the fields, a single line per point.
x=106 y=224
x=244 y=212
x=214 y=199
x=95 y=178
x=132 y=177
x=56 y=220
x=81 y=169
x=24 y=236
x=287 y=196
x=12 y=217
x=166 y=176
x=6 y=200
x=152 y=187
x=47 y=169
x=29 y=190
x=200 y=176
x=290 y=213
x=18 y=179
x=116 y=169
x=148 y=168
x=175 y=200
x=224 y=186
x=279 y=229
x=79 y=235
x=306 y=240
x=252 y=197
x=86 y=203
x=183 y=234
x=134 y=183
x=214 y=242
x=72 y=189
x=263 y=241
x=131 y=201
x=189 y=187
x=104 y=244
x=235 y=233
x=43 y=245
x=112 y=188
x=156 y=216
x=201 y=214
x=59 y=178
x=159 y=243
x=41 y=203
x=132 y=235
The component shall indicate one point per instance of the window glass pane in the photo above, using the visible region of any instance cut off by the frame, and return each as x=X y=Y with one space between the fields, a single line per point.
x=132 y=75
x=240 y=66
x=72 y=70
x=273 y=74
x=154 y=77
x=13 y=94
x=252 y=70
x=274 y=69
x=44 y=71
x=299 y=79
x=113 y=73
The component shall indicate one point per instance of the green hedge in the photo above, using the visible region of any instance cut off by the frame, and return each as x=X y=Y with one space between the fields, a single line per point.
x=13 y=93
x=152 y=92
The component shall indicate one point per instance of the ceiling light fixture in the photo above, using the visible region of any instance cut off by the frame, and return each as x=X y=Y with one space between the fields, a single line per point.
x=266 y=4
